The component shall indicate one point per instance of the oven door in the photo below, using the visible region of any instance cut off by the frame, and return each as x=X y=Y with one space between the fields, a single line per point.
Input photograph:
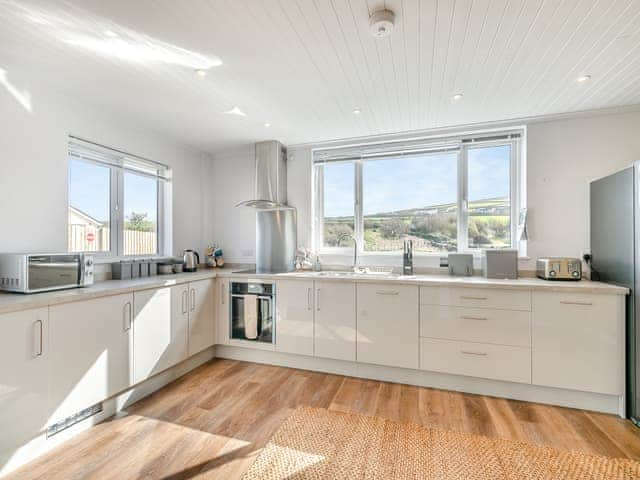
x=252 y=318
x=53 y=272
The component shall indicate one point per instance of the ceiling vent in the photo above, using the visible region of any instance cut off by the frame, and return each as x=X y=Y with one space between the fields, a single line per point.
x=381 y=23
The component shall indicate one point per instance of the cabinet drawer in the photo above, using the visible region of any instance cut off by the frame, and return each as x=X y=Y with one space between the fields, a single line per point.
x=476 y=298
x=502 y=327
x=496 y=362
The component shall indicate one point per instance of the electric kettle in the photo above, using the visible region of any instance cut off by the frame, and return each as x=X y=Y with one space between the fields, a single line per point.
x=191 y=260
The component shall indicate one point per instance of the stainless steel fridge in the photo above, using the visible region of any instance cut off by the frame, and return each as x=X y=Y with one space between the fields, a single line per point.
x=615 y=258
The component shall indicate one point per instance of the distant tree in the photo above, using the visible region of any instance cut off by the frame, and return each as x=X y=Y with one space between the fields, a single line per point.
x=139 y=222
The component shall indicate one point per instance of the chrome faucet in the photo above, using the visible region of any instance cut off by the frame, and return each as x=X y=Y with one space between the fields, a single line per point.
x=407 y=258
x=355 y=267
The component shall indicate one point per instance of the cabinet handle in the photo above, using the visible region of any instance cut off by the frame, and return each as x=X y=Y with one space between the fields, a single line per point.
x=193 y=299
x=463 y=297
x=317 y=299
x=387 y=292
x=126 y=313
x=477 y=354
x=469 y=317
x=309 y=299
x=564 y=302
x=184 y=301
x=38 y=339
x=222 y=292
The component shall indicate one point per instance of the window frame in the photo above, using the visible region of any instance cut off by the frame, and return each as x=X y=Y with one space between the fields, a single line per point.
x=467 y=142
x=117 y=162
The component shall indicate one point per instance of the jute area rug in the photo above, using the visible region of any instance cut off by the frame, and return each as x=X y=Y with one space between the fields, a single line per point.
x=318 y=444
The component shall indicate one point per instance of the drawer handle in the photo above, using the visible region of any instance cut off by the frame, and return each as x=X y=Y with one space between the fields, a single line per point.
x=564 y=302
x=472 y=298
x=476 y=354
x=387 y=292
x=469 y=317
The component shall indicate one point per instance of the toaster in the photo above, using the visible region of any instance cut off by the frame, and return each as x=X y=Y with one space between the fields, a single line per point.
x=559 y=268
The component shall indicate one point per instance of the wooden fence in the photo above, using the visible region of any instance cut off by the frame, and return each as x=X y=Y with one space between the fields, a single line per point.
x=87 y=238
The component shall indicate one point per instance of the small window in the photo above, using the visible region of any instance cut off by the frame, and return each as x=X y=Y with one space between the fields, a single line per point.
x=115 y=201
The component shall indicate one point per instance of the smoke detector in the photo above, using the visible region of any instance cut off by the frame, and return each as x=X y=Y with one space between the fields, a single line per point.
x=381 y=23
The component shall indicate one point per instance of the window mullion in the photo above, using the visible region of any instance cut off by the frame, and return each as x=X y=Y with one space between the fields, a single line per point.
x=463 y=200
x=119 y=211
x=359 y=219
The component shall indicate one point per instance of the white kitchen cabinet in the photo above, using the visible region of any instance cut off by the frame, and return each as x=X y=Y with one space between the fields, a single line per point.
x=388 y=325
x=222 y=310
x=578 y=341
x=24 y=358
x=202 y=318
x=90 y=348
x=335 y=320
x=160 y=330
x=294 y=316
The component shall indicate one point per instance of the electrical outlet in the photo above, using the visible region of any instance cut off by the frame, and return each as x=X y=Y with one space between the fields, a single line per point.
x=247 y=252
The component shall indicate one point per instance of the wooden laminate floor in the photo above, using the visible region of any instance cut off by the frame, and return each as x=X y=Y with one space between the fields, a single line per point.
x=212 y=422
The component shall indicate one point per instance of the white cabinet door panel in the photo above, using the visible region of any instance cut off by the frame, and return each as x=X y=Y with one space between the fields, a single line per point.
x=294 y=316
x=388 y=325
x=24 y=356
x=91 y=344
x=160 y=329
x=578 y=341
x=335 y=320
x=202 y=321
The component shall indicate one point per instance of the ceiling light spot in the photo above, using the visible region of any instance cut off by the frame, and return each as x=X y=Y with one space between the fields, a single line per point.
x=236 y=111
x=583 y=78
x=457 y=96
x=110 y=33
x=200 y=72
x=357 y=111
x=267 y=124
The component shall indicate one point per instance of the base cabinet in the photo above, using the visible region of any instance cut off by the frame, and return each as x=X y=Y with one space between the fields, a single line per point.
x=335 y=320
x=160 y=330
x=202 y=317
x=388 y=325
x=24 y=359
x=90 y=343
x=294 y=316
x=578 y=342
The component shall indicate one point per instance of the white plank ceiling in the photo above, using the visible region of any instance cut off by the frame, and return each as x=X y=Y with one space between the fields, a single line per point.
x=304 y=65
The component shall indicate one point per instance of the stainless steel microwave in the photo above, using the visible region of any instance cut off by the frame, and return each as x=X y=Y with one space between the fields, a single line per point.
x=31 y=273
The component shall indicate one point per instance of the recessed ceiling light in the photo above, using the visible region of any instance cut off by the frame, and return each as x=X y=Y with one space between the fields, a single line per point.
x=110 y=33
x=583 y=78
x=357 y=111
x=200 y=72
x=236 y=111
x=267 y=124
x=457 y=96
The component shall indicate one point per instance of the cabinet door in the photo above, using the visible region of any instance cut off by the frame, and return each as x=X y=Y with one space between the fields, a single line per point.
x=335 y=320
x=222 y=307
x=577 y=342
x=24 y=356
x=294 y=316
x=160 y=325
x=202 y=324
x=90 y=344
x=388 y=325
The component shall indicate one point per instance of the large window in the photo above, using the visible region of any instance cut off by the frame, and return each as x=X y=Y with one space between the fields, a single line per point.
x=453 y=194
x=115 y=201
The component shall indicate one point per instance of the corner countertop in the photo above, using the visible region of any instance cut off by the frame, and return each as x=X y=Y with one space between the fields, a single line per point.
x=11 y=302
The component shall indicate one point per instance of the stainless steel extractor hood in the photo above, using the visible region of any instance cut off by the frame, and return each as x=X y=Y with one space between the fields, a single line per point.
x=275 y=220
x=271 y=177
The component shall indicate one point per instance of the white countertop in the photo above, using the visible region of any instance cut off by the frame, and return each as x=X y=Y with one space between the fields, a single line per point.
x=10 y=302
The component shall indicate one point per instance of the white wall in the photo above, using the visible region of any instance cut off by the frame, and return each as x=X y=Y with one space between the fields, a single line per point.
x=563 y=156
x=33 y=169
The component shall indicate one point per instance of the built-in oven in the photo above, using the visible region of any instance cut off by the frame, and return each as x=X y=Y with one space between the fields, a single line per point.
x=252 y=313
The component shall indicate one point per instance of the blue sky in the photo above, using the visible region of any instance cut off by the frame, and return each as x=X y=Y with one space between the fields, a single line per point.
x=89 y=191
x=413 y=182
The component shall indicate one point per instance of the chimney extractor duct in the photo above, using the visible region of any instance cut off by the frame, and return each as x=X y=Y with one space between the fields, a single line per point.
x=275 y=220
